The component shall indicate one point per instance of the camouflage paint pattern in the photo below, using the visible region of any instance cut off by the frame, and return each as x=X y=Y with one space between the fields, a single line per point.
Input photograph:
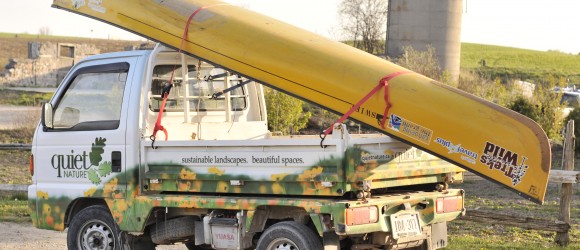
x=131 y=209
x=343 y=173
x=48 y=212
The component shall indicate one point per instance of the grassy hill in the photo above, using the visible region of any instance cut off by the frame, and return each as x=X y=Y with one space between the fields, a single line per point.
x=514 y=63
x=500 y=62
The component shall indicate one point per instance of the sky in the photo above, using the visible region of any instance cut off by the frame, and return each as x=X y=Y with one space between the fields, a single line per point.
x=531 y=24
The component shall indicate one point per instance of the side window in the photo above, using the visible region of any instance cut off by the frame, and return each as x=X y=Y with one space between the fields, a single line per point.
x=93 y=99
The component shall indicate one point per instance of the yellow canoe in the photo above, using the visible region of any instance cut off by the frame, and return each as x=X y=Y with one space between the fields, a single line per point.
x=487 y=139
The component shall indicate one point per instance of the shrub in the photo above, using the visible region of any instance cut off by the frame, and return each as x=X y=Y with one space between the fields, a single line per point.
x=285 y=112
x=548 y=101
x=525 y=107
x=484 y=87
x=425 y=63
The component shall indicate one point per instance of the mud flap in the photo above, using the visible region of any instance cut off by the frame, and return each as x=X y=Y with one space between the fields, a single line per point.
x=331 y=241
x=438 y=235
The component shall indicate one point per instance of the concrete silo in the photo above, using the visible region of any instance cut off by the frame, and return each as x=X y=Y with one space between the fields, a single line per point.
x=418 y=23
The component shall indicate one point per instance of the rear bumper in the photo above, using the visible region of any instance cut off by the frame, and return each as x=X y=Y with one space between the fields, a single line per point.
x=422 y=203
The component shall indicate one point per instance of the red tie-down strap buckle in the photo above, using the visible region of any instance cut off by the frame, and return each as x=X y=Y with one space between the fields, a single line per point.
x=384 y=82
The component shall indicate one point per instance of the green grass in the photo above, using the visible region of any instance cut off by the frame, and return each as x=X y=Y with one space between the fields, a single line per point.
x=486 y=196
x=501 y=237
x=472 y=235
x=14 y=207
x=23 y=98
x=34 y=36
x=514 y=63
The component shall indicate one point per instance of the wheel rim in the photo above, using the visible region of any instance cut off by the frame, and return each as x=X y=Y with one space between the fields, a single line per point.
x=282 y=244
x=96 y=235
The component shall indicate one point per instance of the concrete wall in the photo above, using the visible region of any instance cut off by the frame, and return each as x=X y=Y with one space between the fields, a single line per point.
x=46 y=65
x=418 y=23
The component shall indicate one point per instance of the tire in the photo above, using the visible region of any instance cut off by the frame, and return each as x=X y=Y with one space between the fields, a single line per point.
x=94 y=228
x=289 y=235
x=173 y=230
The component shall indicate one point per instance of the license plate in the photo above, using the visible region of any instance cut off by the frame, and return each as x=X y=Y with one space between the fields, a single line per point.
x=405 y=225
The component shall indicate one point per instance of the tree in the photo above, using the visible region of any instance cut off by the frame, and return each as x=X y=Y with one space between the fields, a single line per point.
x=425 y=63
x=364 y=21
x=44 y=31
x=285 y=112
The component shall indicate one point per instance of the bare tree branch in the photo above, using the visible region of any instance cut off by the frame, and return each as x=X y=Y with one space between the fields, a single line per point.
x=364 y=21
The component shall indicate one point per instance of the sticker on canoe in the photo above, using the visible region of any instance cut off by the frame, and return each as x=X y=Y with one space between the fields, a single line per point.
x=466 y=154
x=504 y=160
x=97 y=5
x=78 y=3
x=410 y=129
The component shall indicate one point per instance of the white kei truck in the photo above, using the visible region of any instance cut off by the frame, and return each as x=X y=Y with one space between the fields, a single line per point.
x=218 y=179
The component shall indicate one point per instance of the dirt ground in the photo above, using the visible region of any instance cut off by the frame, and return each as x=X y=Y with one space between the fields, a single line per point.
x=25 y=236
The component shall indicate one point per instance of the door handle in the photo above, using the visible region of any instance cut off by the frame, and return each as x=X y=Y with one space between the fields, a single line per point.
x=116 y=161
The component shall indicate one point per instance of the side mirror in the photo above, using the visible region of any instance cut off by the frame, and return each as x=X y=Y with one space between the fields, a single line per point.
x=46 y=117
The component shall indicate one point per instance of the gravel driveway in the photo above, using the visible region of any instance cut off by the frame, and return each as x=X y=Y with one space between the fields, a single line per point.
x=25 y=236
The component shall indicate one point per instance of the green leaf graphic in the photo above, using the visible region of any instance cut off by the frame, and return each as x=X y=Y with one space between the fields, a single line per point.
x=105 y=168
x=94 y=177
x=97 y=150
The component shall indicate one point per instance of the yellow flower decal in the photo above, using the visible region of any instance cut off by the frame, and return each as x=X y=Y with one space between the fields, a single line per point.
x=310 y=174
x=278 y=189
x=90 y=192
x=186 y=174
x=42 y=195
x=110 y=187
x=216 y=171
x=121 y=205
x=222 y=186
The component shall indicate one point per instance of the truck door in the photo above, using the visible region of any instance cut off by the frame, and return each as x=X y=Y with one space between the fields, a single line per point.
x=82 y=154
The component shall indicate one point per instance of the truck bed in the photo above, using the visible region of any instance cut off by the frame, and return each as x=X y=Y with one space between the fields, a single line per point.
x=290 y=165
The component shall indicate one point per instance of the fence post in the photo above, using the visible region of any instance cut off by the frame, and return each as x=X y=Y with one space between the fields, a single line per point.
x=563 y=238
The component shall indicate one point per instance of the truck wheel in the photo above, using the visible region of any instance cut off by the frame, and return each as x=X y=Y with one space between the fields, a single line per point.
x=289 y=235
x=94 y=228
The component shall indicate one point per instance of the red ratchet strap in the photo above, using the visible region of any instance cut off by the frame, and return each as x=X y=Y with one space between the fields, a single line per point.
x=158 y=126
x=382 y=83
x=165 y=93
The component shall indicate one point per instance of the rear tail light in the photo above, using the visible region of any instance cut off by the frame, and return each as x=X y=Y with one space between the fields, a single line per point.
x=31 y=165
x=449 y=204
x=361 y=215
